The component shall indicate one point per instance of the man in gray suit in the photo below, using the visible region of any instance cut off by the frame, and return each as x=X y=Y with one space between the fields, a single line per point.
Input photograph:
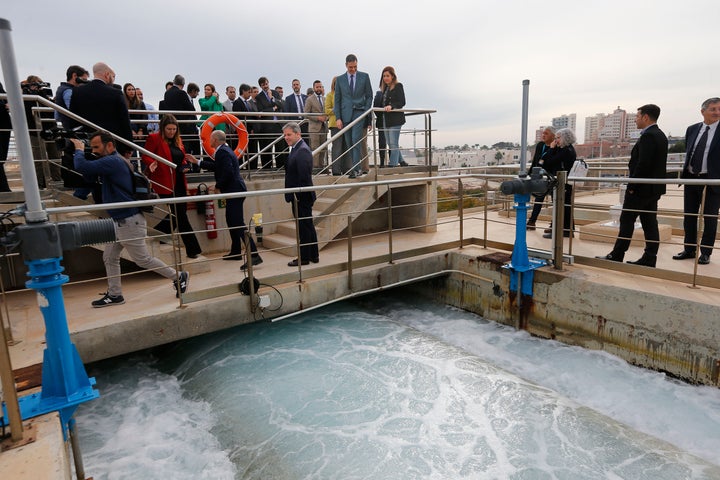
x=353 y=97
x=317 y=125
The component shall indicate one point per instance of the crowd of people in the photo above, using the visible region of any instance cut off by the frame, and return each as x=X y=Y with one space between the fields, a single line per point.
x=273 y=141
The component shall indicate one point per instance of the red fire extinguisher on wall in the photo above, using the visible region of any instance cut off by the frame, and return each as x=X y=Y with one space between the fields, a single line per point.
x=210 y=224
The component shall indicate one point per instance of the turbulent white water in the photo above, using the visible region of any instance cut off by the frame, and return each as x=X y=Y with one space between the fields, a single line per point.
x=392 y=387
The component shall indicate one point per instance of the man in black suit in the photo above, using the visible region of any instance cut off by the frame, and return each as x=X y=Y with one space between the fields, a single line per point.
x=269 y=101
x=177 y=99
x=702 y=160
x=226 y=168
x=103 y=105
x=298 y=173
x=648 y=159
x=245 y=105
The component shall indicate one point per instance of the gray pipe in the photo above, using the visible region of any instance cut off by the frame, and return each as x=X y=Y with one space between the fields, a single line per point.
x=523 y=139
x=35 y=211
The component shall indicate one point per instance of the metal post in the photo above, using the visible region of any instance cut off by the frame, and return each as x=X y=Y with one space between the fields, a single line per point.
x=349 y=247
x=8 y=388
x=390 y=226
x=559 y=219
x=523 y=137
x=77 y=455
x=35 y=211
x=460 y=210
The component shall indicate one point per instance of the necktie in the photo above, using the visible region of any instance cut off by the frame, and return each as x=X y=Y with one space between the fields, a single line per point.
x=696 y=159
x=301 y=108
x=320 y=99
x=352 y=83
x=247 y=105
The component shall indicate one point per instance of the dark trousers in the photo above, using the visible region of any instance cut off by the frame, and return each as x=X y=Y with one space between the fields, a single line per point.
x=236 y=223
x=179 y=211
x=648 y=219
x=382 y=146
x=4 y=147
x=306 y=229
x=537 y=208
x=338 y=148
x=692 y=202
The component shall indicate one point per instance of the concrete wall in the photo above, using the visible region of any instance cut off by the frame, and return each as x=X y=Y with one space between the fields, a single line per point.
x=650 y=330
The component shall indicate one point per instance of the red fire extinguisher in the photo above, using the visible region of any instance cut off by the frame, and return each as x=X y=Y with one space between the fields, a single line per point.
x=210 y=224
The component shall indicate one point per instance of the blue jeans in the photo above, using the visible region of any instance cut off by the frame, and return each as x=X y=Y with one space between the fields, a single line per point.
x=392 y=135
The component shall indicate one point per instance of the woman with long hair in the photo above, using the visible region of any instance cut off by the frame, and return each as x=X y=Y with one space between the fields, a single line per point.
x=167 y=184
x=134 y=103
x=393 y=98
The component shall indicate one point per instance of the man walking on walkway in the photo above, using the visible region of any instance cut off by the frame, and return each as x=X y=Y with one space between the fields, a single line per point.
x=115 y=172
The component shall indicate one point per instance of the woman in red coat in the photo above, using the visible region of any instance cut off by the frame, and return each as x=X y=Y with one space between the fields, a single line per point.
x=168 y=182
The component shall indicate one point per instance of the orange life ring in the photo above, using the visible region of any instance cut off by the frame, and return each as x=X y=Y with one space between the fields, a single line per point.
x=228 y=119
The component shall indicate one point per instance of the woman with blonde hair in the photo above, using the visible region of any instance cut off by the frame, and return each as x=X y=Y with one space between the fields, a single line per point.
x=338 y=146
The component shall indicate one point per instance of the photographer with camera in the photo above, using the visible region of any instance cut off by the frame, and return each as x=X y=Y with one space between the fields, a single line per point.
x=34 y=85
x=5 y=127
x=115 y=171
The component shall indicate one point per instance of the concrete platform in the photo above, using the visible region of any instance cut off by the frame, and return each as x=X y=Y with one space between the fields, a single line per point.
x=606 y=232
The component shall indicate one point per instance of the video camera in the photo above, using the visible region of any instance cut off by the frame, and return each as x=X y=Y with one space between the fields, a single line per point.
x=37 y=88
x=539 y=182
x=58 y=133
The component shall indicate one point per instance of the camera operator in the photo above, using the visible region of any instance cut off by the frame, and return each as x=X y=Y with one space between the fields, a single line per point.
x=34 y=85
x=5 y=127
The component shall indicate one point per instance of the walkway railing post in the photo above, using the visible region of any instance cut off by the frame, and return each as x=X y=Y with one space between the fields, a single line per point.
x=461 y=198
x=349 y=250
x=558 y=220
x=390 y=226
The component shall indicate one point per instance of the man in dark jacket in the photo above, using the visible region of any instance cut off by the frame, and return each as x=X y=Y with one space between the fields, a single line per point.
x=226 y=168
x=103 y=105
x=298 y=173
x=648 y=159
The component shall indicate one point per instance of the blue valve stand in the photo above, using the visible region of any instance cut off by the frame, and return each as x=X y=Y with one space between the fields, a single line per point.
x=65 y=383
x=521 y=266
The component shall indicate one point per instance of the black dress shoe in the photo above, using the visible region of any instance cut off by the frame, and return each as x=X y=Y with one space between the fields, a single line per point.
x=294 y=263
x=255 y=259
x=645 y=261
x=612 y=256
x=704 y=259
x=683 y=255
x=547 y=235
x=315 y=260
x=232 y=256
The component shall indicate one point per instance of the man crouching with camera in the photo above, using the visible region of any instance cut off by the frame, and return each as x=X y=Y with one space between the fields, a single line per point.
x=115 y=173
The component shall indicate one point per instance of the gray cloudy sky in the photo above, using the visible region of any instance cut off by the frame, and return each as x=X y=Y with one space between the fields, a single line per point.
x=466 y=59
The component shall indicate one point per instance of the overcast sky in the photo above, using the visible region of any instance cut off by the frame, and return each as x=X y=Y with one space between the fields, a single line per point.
x=465 y=59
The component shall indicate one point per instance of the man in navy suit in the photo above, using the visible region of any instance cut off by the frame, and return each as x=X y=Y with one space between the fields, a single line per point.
x=269 y=101
x=226 y=168
x=298 y=173
x=103 y=105
x=648 y=159
x=245 y=104
x=295 y=103
x=702 y=160
x=353 y=97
